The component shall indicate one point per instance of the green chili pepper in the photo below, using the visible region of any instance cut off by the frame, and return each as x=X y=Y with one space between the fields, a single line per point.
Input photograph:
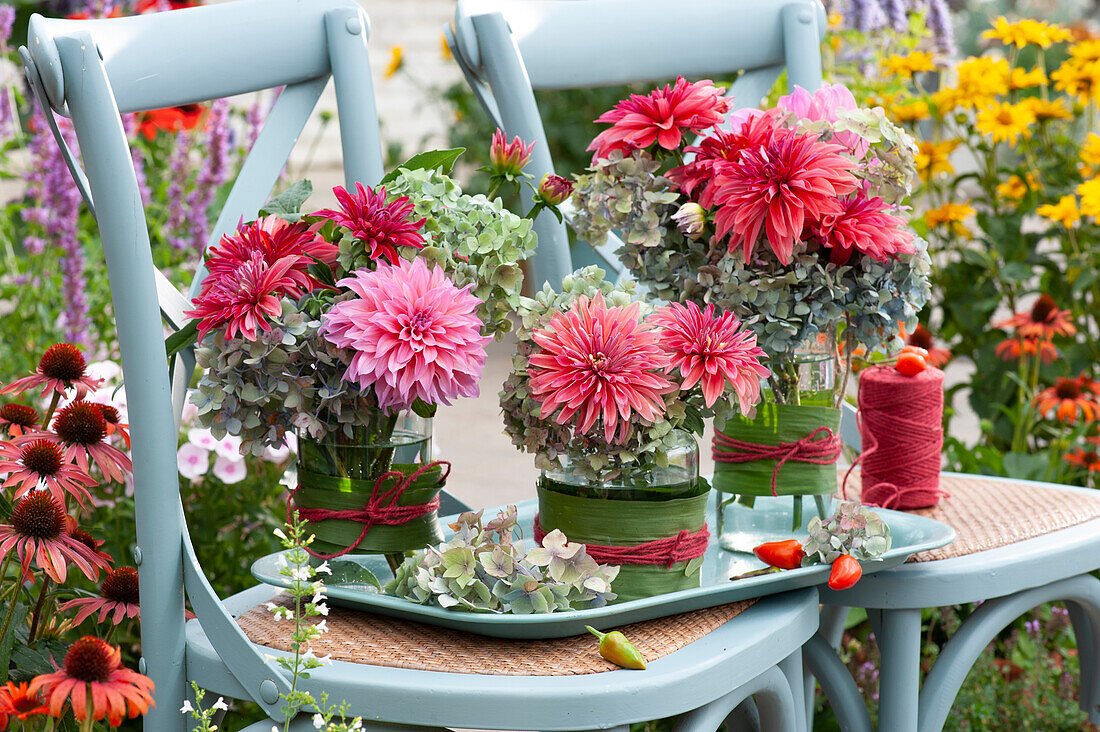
x=616 y=648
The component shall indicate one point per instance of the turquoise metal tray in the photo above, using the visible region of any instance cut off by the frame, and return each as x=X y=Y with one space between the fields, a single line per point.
x=770 y=519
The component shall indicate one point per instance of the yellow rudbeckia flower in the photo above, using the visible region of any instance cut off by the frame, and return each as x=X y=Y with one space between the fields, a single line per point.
x=1090 y=150
x=933 y=158
x=906 y=66
x=1026 y=31
x=397 y=61
x=1065 y=212
x=1047 y=109
x=1022 y=79
x=1090 y=197
x=950 y=215
x=1006 y=122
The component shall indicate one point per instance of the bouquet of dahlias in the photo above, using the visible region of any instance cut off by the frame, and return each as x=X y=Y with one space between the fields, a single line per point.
x=789 y=218
x=346 y=324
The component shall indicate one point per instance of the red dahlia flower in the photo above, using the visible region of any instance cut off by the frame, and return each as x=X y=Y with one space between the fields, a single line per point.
x=719 y=148
x=243 y=299
x=508 y=158
x=274 y=239
x=863 y=225
x=381 y=227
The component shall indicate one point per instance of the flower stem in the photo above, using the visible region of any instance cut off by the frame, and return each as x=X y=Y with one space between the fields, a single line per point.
x=50 y=411
x=38 y=608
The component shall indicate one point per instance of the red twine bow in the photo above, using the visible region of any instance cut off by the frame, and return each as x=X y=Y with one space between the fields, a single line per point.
x=381 y=508
x=820 y=447
x=683 y=547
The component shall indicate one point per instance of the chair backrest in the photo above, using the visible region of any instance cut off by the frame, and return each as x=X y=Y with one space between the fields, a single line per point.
x=508 y=48
x=91 y=71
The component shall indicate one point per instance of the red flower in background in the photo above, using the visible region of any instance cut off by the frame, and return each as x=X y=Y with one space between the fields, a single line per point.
x=156 y=6
x=34 y=462
x=170 y=119
x=1087 y=459
x=1011 y=349
x=381 y=227
x=1043 y=320
x=118 y=598
x=38 y=532
x=19 y=418
x=81 y=429
x=660 y=117
x=61 y=368
x=1067 y=400
x=921 y=337
x=17 y=702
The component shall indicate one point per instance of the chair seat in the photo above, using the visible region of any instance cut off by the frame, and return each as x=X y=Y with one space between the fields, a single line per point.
x=395 y=670
x=1011 y=535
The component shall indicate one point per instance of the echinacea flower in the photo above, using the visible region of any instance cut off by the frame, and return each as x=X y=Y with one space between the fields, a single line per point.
x=1087 y=383
x=243 y=299
x=93 y=679
x=412 y=335
x=19 y=418
x=61 y=368
x=118 y=598
x=712 y=350
x=38 y=532
x=17 y=702
x=596 y=362
x=792 y=181
x=660 y=117
x=1012 y=349
x=80 y=428
x=822 y=106
x=34 y=462
x=379 y=226
x=114 y=422
x=1067 y=400
x=508 y=159
x=1087 y=459
x=863 y=225
x=1044 y=320
x=94 y=545
x=274 y=239
x=720 y=147
x=921 y=337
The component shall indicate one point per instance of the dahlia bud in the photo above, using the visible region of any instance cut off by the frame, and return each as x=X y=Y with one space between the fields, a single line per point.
x=554 y=190
x=508 y=158
x=692 y=219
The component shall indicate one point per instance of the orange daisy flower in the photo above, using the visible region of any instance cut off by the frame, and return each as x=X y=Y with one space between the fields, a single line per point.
x=16 y=702
x=1043 y=320
x=1087 y=459
x=1067 y=400
x=1011 y=349
x=922 y=338
x=96 y=683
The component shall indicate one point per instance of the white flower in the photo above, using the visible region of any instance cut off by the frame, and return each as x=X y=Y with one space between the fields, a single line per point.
x=300 y=574
x=229 y=471
x=202 y=437
x=323 y=568
x=276 y=454
x=318 y=721
x=192 y=461
x=229 y=447
x=187 y=708
x=318 y=595
x=322 y=627
x=321 y=608
x=220 y=704
x=281 y=535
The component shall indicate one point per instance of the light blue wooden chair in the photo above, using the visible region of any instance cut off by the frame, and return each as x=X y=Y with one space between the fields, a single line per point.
x=92 y=71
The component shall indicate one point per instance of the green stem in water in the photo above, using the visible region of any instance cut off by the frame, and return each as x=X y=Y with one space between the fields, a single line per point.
x=820 y=501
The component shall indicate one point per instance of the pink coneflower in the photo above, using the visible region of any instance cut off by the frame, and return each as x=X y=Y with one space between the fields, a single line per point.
x=19 y=419
x=94 y=545
x=508 y=158
x=660 y=117
x=118 y=597
x=29 y=463
x=81 y=429
x=38 y=532
x=779 y=188
x=242 y=300
x=712 y=350
x=274 y=238
x=61 y=368
x=599 y=362
x=722 y=147
x=114 y=422
x=412 y=333
x=381 y=227
x=95 y=682
x=1044 y=320
x=863 y=225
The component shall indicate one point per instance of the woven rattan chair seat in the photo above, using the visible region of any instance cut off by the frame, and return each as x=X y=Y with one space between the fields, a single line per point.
x=377 y=640
x=987 y=512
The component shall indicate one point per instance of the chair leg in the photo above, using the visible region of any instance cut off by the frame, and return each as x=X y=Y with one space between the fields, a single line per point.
x=831 y=628
x=1088 y=656
x=744 y=718
x=899 y=678
x=770 y=690
x=794 y=669
x=837 y=684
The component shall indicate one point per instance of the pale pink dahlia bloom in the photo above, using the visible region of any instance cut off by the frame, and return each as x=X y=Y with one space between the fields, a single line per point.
x=791 y=181
x=864 y=225
x=597 y=362
x=413 y=334
x=379 y=226
x=823 y=105
x=712 y=350
x=661 y=117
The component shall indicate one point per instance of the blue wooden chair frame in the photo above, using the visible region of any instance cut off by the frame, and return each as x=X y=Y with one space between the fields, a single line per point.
x=92 y=71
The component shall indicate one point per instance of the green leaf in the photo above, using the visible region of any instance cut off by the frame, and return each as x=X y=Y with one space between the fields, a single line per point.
x=7 y=643
x=423 y=409
x=442 y=159
x=1026 y=466
x=186 y=336
x=347 y=572
x=31 y=662
x=323 y=273
x=288 y=204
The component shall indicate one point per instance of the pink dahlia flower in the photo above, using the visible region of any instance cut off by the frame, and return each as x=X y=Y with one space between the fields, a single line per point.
x=241 y=299
x=712 y=351
x=791 y=181
x=863 y=225
x=660 y=117
x=381 y=227
x=823 y=105
x=274 y=239
x=599 y=362
x=721 y=148
x=508 y=158
x=413 y=334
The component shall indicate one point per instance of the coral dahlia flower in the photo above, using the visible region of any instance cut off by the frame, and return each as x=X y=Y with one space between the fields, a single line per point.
x=863 y=225
x=80 y=429
x=722 y=147
x=61 y=368
x=34 y=462
x=17 y=702
x=1067 y=401
x=1044 y=320
x=95 y=682
x=19 y=418
x=274 y=238
x=243 y=299
x=660 y=117
x=118 y=598
x=777 y=189
x=712 y=350
x=381 y=227
x=921 y=337
x=596 y=362
x=38 y=532
x=412 y=333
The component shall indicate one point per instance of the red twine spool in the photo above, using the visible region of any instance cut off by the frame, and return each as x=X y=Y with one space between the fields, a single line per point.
x=901 y=423
x=683 y=547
